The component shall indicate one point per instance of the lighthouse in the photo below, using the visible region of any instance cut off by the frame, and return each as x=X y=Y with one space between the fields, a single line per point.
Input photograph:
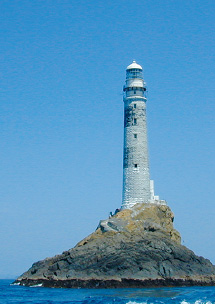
x=136 y=180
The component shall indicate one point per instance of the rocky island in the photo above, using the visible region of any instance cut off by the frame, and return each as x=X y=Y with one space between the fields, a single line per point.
x=136 y=247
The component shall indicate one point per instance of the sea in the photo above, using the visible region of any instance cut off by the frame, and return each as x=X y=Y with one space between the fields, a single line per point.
x=39 y=295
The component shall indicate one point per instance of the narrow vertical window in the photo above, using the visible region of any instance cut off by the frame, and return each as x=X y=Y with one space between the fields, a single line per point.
x=135 y=121
x=135 y=135
x=135 y=165
x=135 y=105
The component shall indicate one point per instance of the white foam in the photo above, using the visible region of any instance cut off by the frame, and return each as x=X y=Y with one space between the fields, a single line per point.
x=133 y=302
x=197 y=302
x=15 y=284
x=38 y=285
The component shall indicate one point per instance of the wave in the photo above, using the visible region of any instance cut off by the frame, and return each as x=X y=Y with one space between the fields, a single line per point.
x=133 y=302
x=183 y=302
x=197 y=302
x=14 y=284
x=37 y=285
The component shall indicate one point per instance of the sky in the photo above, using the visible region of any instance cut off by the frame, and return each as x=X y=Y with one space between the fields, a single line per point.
x=62 y=70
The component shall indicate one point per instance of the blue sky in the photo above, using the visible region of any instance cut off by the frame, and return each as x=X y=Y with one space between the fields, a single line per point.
x=62 y=71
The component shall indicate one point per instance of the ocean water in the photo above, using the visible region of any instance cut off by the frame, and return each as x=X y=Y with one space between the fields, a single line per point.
x=38 y=295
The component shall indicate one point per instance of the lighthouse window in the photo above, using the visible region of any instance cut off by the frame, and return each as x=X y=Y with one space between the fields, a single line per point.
x=135 y=105
x=135 y=165
x=135 y=121
x=134 y=92
x=135 y=135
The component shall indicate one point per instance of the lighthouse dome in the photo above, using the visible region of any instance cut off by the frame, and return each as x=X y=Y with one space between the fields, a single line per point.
x=134 y=65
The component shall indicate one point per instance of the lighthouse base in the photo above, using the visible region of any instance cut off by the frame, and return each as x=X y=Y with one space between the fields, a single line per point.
x=154 y=201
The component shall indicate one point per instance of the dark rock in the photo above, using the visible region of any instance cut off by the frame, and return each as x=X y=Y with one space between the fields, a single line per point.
x=134 y=248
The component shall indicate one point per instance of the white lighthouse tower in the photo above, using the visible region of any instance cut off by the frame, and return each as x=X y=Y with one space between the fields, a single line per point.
x=136 y=180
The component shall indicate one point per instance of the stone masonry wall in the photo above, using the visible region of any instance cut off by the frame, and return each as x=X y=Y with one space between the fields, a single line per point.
x=136 y=180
